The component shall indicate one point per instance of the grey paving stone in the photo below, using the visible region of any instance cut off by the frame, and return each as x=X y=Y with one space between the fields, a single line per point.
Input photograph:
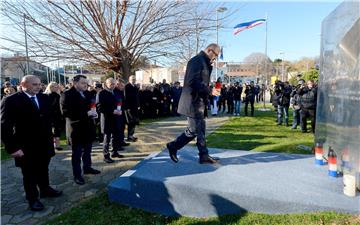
x=45 y=212
x=6 y=218
x=90 y=192
x=76 y=196
x=22 y=217
x=31 y=221
x=19 y=209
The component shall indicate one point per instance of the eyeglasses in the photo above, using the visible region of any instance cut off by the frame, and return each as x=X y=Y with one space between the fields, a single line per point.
x=216 y=54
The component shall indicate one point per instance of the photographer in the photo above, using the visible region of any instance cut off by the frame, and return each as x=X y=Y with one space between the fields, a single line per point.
x=295 y=103
x=250 y=98
x=282 y=95
x=308 y=97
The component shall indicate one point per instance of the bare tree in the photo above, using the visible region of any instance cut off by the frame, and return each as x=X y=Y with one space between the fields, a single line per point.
x=112 y=34
x=258 y=61
x=202 y=29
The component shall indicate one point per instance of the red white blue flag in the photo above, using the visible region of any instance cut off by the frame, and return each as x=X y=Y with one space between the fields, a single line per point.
x=243 y=26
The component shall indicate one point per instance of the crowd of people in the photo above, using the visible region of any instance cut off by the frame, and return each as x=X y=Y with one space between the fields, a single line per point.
x=34 y=115
x=229 y=97
x=302 y=98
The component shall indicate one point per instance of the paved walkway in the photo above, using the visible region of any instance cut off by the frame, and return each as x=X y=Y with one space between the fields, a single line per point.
x=152 y=138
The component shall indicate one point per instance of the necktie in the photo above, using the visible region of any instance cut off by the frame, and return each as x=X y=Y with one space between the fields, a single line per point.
x=82 y=94
x=34 y=102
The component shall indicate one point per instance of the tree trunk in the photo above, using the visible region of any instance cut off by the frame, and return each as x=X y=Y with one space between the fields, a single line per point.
x=125 y=69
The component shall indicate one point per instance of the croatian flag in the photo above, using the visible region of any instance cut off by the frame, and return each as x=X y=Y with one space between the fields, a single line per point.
x=247 y=25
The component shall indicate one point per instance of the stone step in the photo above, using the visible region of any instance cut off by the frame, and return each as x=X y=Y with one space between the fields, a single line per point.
x=243 y=181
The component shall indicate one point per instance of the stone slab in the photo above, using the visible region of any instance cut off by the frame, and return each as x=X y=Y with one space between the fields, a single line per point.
x=261 y=182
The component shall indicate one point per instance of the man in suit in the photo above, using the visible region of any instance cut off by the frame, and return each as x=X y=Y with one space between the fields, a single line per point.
x=132 y=105
x=27 y=135
x=80 y=109
x=193 y=103
x=109 y=103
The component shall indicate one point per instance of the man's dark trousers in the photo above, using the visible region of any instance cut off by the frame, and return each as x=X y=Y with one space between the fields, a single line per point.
x=196 y=128
x=116 y=138
x=35 y=174
x=81 y=151
x=304 y=114
x=251 y=101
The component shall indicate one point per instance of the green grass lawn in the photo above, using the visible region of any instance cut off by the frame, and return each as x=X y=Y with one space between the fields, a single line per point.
x=4 y=154
x=260 y=133
x=99 y=210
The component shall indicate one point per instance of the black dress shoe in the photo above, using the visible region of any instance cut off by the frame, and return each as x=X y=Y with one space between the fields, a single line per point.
x=91 y=171
x=117 y=155
x=79 y=180
x=132 y=139
x=124 y=144
x=36 y=205
x=172 y=153
x=207 y=159
x=59 y=148
x=50 y=193
x=108 y=159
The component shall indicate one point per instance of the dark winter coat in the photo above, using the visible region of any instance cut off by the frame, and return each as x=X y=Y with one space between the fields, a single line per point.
x=75 y=108
x=25 y=126
x=195 y=93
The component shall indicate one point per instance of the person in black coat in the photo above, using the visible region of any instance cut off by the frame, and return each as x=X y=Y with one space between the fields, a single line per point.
x=109 y=103
x=27 y=136
x=175 y=98
x=283 y=92
x=250 y=98
x=80 y=109
x=193 y=103
x=132 y=106
x=308 y=100
x=237 y=91
x=53 y=91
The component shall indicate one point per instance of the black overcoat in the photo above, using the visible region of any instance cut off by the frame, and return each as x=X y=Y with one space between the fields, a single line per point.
x=25 y=126
x=75 y=108
x=195 y=92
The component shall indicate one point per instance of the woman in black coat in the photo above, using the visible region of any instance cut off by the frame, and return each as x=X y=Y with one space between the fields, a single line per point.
x=53 y=92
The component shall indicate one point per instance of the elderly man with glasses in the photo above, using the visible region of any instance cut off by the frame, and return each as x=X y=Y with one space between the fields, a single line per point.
x=193 y=103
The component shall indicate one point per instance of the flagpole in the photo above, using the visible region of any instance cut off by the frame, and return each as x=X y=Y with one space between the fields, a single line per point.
x=265 y=60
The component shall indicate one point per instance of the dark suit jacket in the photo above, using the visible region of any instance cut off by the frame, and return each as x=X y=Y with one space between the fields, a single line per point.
x=131 y=97
x=25 y=127
x=132 y=101
x=56 y=112
x=106 y=103
x=195 y=93
x=75 y=108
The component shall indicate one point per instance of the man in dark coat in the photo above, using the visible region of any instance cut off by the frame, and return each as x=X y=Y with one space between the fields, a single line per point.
x=80 y=109
x=175 y=98
x=250 y=98
x=109 y=103
x=308 y=100
x=27 y=136
x=132 y=105
x=193 y=103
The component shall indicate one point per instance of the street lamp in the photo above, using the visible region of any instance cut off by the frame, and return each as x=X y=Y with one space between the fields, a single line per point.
x=218 y=10
x=26 y=47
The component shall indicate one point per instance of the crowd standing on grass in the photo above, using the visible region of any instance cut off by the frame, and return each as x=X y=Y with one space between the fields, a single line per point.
x=34 y=116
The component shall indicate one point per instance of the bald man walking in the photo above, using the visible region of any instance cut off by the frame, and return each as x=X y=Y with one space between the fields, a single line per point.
x=27 y=136
x=193 y=103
